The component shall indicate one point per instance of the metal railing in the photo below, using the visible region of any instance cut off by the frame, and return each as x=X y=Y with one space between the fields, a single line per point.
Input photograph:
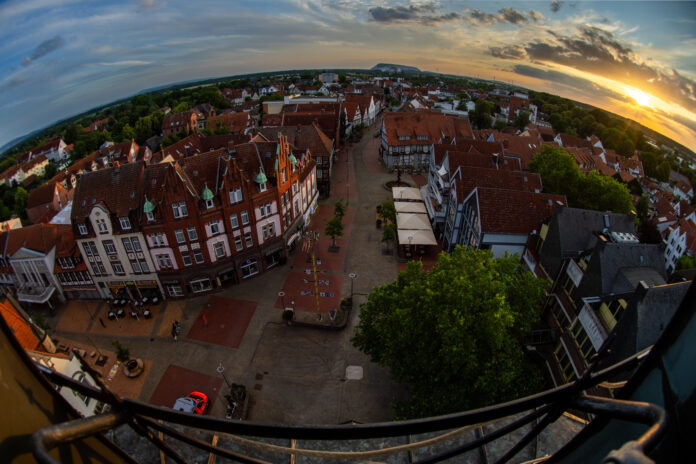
x=541 y=409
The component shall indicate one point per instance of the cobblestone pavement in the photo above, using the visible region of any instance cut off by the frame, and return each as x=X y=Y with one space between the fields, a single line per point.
x=294 y=374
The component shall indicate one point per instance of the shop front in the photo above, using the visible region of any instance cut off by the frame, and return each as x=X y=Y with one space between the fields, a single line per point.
x=228 y=275
x=134 y=289
x=273 y=255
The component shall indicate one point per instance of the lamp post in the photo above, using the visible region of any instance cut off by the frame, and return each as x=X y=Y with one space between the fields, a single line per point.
x=352 y=276
x=281 y=294
x=221 y=370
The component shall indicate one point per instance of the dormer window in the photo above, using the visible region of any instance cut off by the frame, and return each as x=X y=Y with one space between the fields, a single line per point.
x=82 y=228
x=101 y=225
x=262 y=187
x=209 y=204
x=404 y=137
x=150 y=216
x=125 y=223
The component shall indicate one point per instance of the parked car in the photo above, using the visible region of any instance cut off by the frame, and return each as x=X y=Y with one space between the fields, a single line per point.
x=194 y=402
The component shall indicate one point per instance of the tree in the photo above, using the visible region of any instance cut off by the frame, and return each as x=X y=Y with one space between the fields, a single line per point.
x=559 y=172
x=339 y=209
x=663 y=171
x=643 y=207
x=389 y=234
x=50 y=170
x=686 y=262
x=522 y=119
x=20 y=202
x=603 y=193
x=122 y=353
x=454 y=334
x=499 y=125
x=71 y=133
x=127 y=133
x=481 y=116
x=334 y=229
x=388 y=211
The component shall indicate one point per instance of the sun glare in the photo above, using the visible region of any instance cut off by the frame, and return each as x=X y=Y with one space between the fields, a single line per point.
x=642 y=98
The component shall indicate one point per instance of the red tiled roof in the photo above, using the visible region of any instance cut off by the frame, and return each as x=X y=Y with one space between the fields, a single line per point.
x=39 y=237
x=236 y=122
x=19 y=326
x=472 y=177
x=568 y=140
x=310 y=138
x=118 y=189
x=514 y=212
x=435 y=126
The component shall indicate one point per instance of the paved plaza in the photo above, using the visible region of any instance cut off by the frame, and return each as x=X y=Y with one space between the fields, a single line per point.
x=294 y=374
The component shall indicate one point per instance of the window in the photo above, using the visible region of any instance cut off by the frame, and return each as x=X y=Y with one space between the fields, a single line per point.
x=179 y=233
x=249 y=240
x=102 y=269
x=220 y=249
x=143 y=265
x=200 y=285
x=150 y=216
x=192 y=234
x=136 y=266
x=268 y=209
x=236 y=195
x=82 y=228
x=198 y=256
x=234 y=222
x=164 y=261
x=125 y=223
x=214 y=227
x=238 y=243
x=101 y=226
x=186 y=258
x=127 y=245
x=249 y=268
x=109 y=247
x=560 y=314
x=245 y=217
x=174 y=290
x=568 y=286
x=564 y=363
x=209 y=204
x=117 y=267
x=180 y=209
x=88 y=250
x=262 y=187
x=582 y=340
x=268 y=231
x=136 y=244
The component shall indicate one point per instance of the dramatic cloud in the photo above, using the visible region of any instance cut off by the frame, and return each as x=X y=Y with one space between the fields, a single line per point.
x=598 y=51
x=415 y=13
x=512 y=16
x=509 y=52
x=535 y=16
x=578 y=83
x=504 y=15
x=556 y=5
x=44 y=48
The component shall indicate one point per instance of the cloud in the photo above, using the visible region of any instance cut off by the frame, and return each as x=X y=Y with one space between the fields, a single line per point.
x=504 y=15
x=535 y=16
x=508 y=52
x=574 y=82
x=410 y=13
x=597 y=51
x=556 y=5
x=44 y=48
x=512 y=16
x=125 y=63
x=12 y=82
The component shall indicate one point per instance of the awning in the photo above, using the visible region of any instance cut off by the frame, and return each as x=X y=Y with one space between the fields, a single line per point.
x=412 y=221
x=409 y=207
x=272 y=250
x=292 y=238
x=418 y=237
x=406 y=193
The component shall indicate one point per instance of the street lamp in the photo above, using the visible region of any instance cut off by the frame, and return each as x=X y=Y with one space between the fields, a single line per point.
x=221 y=370
x=281 y=294
x=352 y=276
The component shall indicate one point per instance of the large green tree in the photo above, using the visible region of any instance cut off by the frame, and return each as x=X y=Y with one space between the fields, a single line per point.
x=481 y=117
x=454 y=334
x=559 y=172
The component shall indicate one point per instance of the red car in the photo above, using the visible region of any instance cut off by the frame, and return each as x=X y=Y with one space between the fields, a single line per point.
x=195 y=402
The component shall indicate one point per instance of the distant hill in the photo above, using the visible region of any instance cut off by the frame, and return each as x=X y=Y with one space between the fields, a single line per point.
x=388 y=67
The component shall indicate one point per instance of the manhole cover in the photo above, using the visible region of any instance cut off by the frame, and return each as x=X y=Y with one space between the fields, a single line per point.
x=354 y=372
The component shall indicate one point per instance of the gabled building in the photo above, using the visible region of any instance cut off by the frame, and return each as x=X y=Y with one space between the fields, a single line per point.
x=175 y=123
x=408 y=138
x=46 y=201
x=594 y=263
x=106 y=220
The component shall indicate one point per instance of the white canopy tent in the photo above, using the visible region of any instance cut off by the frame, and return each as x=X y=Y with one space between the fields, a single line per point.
x=406 y=194
x=412 y=221
x=410 y=207
x=417 y=237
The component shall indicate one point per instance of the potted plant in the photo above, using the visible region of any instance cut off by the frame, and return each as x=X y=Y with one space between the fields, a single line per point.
x=122 y=353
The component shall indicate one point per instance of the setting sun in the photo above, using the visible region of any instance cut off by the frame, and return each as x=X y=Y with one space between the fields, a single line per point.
x=642 y=98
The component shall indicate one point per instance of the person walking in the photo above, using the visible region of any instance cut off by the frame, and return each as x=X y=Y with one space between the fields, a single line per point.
x=205 y=320
x=174 y=333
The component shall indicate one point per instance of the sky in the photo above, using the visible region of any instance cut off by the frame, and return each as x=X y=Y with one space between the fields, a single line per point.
x=634 y=58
